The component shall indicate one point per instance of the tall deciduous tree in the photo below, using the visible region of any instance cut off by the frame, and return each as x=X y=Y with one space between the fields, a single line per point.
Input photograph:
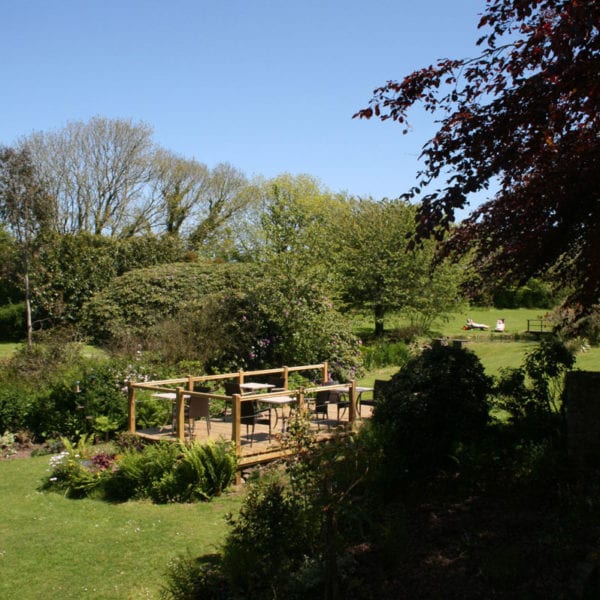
x=98 y=173
x=525 y=113
x=379 y=272
x=181 y=186
x=295 y=226
x=25 y=208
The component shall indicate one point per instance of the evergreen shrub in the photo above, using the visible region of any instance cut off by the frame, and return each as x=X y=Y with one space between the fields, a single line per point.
x=435 y=403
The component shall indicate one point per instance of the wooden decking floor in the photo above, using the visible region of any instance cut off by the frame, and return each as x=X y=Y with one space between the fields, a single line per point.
x=257 y=443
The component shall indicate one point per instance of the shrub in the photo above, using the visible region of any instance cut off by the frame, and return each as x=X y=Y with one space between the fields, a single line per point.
x=189 y=578
x=12 y=322
x=267 y=540
x=168 y=472
x=531 y=394
x=437 y=401
x=77 y=471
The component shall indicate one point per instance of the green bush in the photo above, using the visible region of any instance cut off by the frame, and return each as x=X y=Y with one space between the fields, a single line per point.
x=530 y=395
x=12 y=322
x=189 y=578
x=267 y=540
x=78 y=471
x=16 y=406
x=141 y=299
x=436 y=402
x=169 y=472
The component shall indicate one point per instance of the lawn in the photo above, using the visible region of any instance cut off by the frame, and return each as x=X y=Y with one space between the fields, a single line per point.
x=53 y=547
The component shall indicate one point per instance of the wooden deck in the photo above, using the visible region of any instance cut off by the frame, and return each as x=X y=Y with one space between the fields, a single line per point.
x=257 y=447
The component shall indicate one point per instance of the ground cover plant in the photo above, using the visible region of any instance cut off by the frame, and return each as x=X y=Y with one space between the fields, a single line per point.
x=55 y=547
x=163 y=472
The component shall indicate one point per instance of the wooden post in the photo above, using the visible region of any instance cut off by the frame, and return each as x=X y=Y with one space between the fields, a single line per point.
x=180 y=415
x=352 y=404
x=325 y=372
x=285 y=377
x=190 y=383
x=131 y=410
x=236 y=424
x=300 y=400
x=241 y=375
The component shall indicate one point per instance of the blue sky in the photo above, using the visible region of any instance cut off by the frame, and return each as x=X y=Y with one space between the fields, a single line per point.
x=269 y=86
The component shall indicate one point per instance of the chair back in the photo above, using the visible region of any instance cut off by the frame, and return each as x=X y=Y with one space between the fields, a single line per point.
x=198 y=407
x=232 y=388
x=248 y=411
x=322 y=399
x=278 y=382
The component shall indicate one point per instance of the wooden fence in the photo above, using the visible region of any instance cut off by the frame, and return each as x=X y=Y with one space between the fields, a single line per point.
x=183 y=388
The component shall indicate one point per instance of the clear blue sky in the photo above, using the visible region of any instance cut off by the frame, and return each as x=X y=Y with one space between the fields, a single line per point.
x=269 y=86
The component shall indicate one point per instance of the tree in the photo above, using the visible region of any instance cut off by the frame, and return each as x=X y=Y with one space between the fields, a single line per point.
x=25 y=208
x=295 y=235
x=97 y=173
x=380 y=273
x=227 y=194
x=181 y=186
x=524 y=114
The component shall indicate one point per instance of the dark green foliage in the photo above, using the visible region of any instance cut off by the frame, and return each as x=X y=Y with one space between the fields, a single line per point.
x=70 y=268
x=535 y=294
x=189 y=578
x=437 y=401
x=12 y=322
x=531 y=394
x=16 y=406
x=268 y=539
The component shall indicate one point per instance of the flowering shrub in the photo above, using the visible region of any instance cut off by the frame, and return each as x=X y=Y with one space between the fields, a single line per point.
x=76 y=471
x=7 y=444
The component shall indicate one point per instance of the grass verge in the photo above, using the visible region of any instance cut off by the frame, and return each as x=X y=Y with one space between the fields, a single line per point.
x=53 y=547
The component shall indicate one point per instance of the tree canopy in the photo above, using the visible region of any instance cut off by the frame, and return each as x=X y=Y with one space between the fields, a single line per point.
x=524 y=115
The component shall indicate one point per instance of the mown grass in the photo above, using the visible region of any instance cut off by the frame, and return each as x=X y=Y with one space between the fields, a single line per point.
x=495 y=350
x=53 y=547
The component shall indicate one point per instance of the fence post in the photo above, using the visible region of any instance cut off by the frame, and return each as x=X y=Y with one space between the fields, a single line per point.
x=285 y=377
x=180 y=415
x=131 y=410
x=236 y=425
x=325 y=372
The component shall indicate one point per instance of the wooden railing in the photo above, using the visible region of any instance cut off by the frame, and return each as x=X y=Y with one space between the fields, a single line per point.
x=184 y=387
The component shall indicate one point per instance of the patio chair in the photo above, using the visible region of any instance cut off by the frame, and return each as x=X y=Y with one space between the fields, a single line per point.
x=198 y=408
x=251 y=415
x=324 y=398
x=278 y=382
x=231 y=389
x=321 y=406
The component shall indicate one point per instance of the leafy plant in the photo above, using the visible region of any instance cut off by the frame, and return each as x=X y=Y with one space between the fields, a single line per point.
x=76 y=471
x=438 y=400
x=531 y=393
x=7 y=444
